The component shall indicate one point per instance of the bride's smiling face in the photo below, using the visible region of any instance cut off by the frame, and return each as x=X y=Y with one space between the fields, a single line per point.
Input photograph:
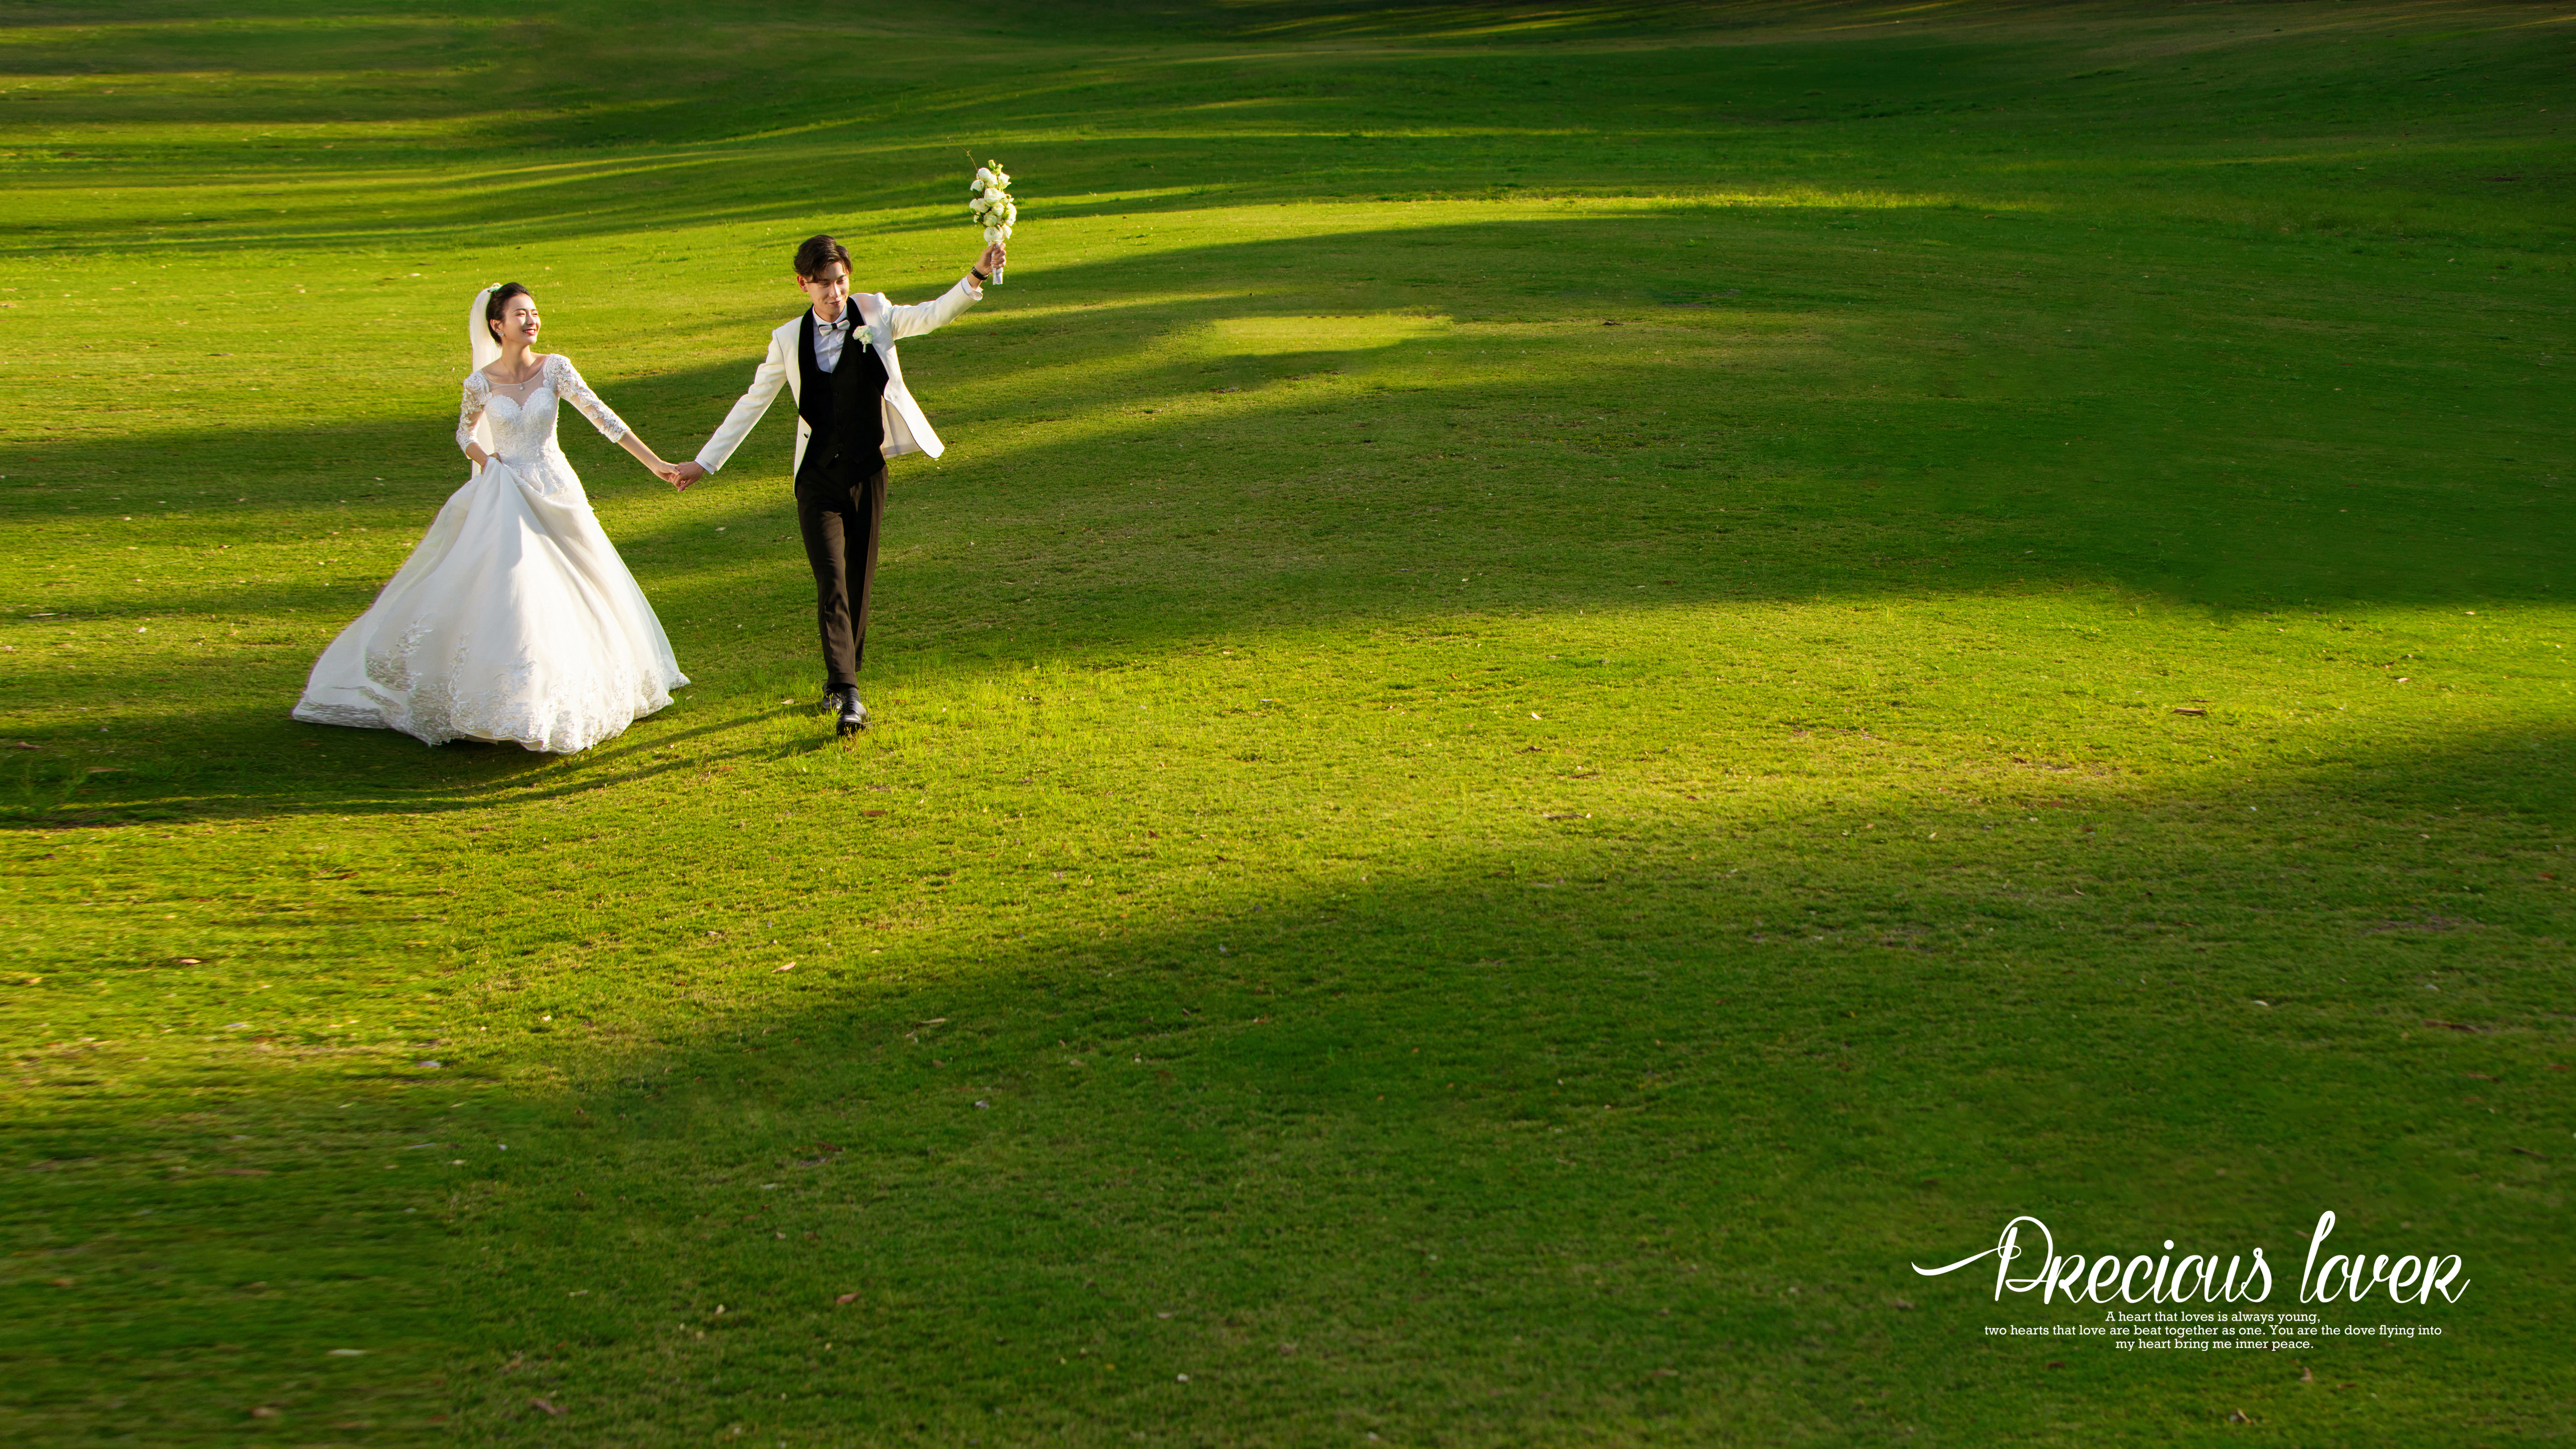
x=517 y=322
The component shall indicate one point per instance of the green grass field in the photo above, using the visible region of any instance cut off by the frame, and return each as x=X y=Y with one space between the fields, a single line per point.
x=1579 y=678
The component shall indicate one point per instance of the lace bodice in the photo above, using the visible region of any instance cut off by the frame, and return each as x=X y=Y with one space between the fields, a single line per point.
x=522 y=414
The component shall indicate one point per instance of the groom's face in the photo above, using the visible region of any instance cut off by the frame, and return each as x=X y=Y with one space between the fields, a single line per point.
x=828 y=289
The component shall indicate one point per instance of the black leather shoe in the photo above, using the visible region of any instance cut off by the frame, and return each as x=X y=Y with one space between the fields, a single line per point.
x=854 y=715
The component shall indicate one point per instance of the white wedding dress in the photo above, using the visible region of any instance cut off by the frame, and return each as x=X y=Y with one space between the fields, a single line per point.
x=513 y=619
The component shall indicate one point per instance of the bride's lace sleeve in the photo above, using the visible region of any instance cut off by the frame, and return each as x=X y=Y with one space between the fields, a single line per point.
x=470 y=411
x=570 y=387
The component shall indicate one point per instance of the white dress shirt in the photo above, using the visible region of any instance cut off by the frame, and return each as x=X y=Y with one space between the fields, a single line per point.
x=828 y=337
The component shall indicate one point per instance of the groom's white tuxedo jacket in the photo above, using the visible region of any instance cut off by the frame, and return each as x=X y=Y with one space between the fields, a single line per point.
x=906 y=430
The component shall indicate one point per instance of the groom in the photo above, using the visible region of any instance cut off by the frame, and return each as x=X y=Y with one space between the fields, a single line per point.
x=852 y=414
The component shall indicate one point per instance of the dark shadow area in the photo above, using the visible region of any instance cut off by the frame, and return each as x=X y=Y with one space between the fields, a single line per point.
x=1576 y=1111
x=1207 y=489
x=1732 y=98
x=1572 y=1110
x=1829 y=333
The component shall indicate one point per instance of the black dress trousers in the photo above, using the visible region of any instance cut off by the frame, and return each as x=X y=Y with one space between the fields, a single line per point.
x=840 y=518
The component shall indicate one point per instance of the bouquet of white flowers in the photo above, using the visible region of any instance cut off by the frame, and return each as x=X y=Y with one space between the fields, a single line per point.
x=992 y=207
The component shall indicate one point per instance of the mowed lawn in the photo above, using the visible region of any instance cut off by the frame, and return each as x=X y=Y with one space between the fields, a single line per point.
x=1578 y=680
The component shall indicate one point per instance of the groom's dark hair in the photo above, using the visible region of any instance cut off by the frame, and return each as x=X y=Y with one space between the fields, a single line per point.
x=817 y=253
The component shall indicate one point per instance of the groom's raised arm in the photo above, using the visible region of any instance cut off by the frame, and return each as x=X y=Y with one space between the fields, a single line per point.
x=915 y=318
x=747 y=410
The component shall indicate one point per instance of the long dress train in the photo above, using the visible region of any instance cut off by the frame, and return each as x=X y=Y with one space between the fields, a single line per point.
x=513 y=619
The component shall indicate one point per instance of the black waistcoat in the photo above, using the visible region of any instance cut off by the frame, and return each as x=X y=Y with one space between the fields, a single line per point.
x=843 y=409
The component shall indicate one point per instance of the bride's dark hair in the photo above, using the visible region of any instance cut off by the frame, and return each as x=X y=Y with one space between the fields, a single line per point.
x=499 y=299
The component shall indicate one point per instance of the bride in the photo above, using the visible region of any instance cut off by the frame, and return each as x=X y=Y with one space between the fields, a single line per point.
x=513 y=619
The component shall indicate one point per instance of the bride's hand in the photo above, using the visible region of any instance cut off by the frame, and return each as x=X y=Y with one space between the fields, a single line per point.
x=994 y=258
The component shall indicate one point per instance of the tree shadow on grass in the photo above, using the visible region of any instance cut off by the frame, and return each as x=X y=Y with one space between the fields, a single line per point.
x=750 y=124
x=1488 y=1142
x=754 y=115
x=2156 y=512
x=1317 y=470
x=1498 y=1141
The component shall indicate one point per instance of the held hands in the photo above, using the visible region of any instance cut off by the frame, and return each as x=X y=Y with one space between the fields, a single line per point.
x=681 y=475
